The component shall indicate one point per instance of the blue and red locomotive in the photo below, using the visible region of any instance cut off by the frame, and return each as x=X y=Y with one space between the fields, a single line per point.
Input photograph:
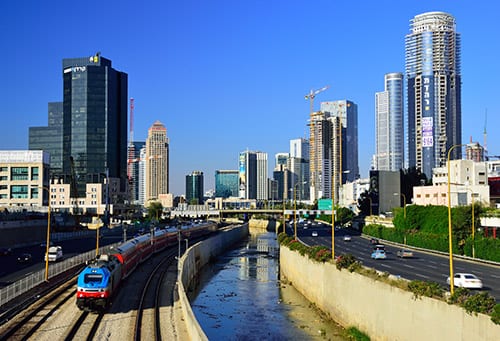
x=101 y=277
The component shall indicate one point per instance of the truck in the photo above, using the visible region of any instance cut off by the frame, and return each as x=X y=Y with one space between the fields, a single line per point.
x=55 y=253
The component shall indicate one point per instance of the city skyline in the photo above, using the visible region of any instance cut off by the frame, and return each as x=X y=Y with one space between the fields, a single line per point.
x=228 y=77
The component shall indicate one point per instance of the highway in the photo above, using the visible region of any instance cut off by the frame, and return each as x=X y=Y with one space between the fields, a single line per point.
x=424 y=266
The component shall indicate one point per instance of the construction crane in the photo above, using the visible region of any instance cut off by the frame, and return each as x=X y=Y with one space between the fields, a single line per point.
x=312 y=94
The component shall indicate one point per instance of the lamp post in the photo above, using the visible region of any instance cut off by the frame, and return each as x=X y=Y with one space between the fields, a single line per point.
x=48 y=236
x=450 y=241
x=295 y=209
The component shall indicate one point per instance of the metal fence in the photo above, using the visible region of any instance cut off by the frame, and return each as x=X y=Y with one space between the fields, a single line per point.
x=32 y=280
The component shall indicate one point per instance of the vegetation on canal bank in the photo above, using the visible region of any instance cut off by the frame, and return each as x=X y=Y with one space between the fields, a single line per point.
x=473 y=303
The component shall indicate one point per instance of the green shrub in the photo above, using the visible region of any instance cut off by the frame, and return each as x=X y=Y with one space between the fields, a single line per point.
x=495 y=314
x=423 y=288
x=479 y=303
x=354 y=333
x=459 y=296
x=347 y=261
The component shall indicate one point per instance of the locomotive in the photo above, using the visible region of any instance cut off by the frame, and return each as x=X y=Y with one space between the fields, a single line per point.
x=100 y=279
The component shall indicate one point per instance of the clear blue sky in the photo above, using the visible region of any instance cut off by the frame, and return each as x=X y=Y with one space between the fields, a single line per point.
x=227 y=75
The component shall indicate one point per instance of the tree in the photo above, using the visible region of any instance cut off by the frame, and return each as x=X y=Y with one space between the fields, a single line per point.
x=364 y=203
x=344 y=215
x=155 y=210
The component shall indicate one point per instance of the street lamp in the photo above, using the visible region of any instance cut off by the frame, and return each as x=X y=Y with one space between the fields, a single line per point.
x=295 y=208
x=48 y=236
x=473 y=239
x=450 y=242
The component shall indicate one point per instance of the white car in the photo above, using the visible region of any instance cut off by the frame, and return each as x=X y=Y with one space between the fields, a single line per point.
x=347 y=238
x=314 y=234
x=465 y=280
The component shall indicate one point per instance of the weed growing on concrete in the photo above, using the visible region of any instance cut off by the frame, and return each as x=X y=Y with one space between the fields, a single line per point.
x=354 y=333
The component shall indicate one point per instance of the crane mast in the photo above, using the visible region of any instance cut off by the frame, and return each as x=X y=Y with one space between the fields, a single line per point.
x=312 y=94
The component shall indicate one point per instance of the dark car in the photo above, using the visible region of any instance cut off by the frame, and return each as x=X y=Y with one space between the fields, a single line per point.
x=4 y=251
x=24 y=258
x=374 y=241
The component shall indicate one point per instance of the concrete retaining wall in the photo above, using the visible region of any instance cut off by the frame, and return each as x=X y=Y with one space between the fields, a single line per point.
x=382 y=311
x=193 y=260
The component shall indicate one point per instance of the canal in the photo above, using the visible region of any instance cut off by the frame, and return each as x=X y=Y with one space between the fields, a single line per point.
x=241 y=297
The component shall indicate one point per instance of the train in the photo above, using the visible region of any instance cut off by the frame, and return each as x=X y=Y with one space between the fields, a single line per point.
x=100 y=279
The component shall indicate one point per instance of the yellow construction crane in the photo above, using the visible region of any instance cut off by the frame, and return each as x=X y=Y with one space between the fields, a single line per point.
x=310 y=96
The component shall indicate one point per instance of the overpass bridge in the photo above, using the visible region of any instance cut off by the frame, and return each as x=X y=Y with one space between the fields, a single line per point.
x=214 y=213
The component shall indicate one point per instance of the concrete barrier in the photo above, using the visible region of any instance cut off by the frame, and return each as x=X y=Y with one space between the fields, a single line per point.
x=191 y=263
x=382 y=311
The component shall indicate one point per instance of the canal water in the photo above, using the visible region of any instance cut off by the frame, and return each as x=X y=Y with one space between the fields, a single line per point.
x=240 y=297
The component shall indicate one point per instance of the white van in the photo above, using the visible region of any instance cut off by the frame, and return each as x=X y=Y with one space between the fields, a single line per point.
x=55 y=253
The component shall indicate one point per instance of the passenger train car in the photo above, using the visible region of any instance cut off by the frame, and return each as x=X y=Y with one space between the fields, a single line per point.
x=101 y=277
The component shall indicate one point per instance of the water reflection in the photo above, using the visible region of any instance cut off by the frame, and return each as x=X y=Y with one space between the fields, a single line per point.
x=240 y=298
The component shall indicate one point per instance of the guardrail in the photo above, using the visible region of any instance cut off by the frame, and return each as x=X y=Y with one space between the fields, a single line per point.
x=27 y=283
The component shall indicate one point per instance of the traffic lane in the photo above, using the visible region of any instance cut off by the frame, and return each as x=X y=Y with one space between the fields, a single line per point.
x=423 y=266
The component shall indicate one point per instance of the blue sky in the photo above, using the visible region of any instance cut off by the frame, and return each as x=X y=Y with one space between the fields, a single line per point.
x=224 y=76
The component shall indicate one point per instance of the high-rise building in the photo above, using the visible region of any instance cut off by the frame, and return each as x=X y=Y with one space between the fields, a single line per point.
x=320 y=130
x=226 y=183
x=194 y=187
x=142 y=176
x=50 y=138
x=389 y=133
x=298 y=164
x=134 y=159
x=342 y=146
x=157 y=165
x=94 y=124
x=433 y=77
x=253 y=175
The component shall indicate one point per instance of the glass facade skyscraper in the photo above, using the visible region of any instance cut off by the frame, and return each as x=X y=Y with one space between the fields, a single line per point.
x=226 y=183
x=389 y=137
x=194 y=187
x=50 y=138
x=433 y=88
x=94 y=119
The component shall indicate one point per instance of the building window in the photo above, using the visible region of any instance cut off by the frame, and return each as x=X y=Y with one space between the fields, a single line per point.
x=19 y=173
x=34 y=193
x=4 y=178
x=3 y=187
x=34 y=173
x=19 y=192
x=4 y=169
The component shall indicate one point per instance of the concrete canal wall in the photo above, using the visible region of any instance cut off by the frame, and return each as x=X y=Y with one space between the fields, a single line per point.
x=191 y=263
x=380 y=310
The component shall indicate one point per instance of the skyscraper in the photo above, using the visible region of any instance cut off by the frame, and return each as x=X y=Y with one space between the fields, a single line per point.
x=434 y=120
x=194 y=187
x=389 y=134
x=226 y=183
x=134 y=158
x=299 y=167
x=94 y=125
x=157 y=154
x=320 y=130
x=343 y=145
x=50 y=138
x=253 y=175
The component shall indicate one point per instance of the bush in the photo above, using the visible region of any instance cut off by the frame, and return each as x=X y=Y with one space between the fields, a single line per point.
x=479 y=303
x=348 y=262
x=459 y=296
x=423 y=288
x=354 y=333
x=495 y=314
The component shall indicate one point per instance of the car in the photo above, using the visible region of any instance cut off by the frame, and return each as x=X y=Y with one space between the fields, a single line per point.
x=314 y=234
x=4 y=251
x=24 y=258
x=379 y=247
x=404 y=253
x=379 y=254
x=373 y=241
x=347 y=238
x=466 y=280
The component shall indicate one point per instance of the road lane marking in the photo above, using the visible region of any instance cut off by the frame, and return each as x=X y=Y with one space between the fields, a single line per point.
x=423 y=276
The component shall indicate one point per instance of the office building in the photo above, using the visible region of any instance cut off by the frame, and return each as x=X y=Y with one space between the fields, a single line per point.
x=253 y=175
x=94 y=120
x=133 y=172
x=389 y=127
x=320 y=130
x=194 y=188
x=50 y=138
x=342 y=146
x=24 y=178
x=226 y=183
x=157 y=162
x=433 y=85
x=298 y=164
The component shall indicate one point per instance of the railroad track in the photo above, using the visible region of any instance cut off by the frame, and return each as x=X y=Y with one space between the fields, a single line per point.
x=148 y=311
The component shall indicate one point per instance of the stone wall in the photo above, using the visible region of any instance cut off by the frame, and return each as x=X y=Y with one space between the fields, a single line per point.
x=380 y=310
